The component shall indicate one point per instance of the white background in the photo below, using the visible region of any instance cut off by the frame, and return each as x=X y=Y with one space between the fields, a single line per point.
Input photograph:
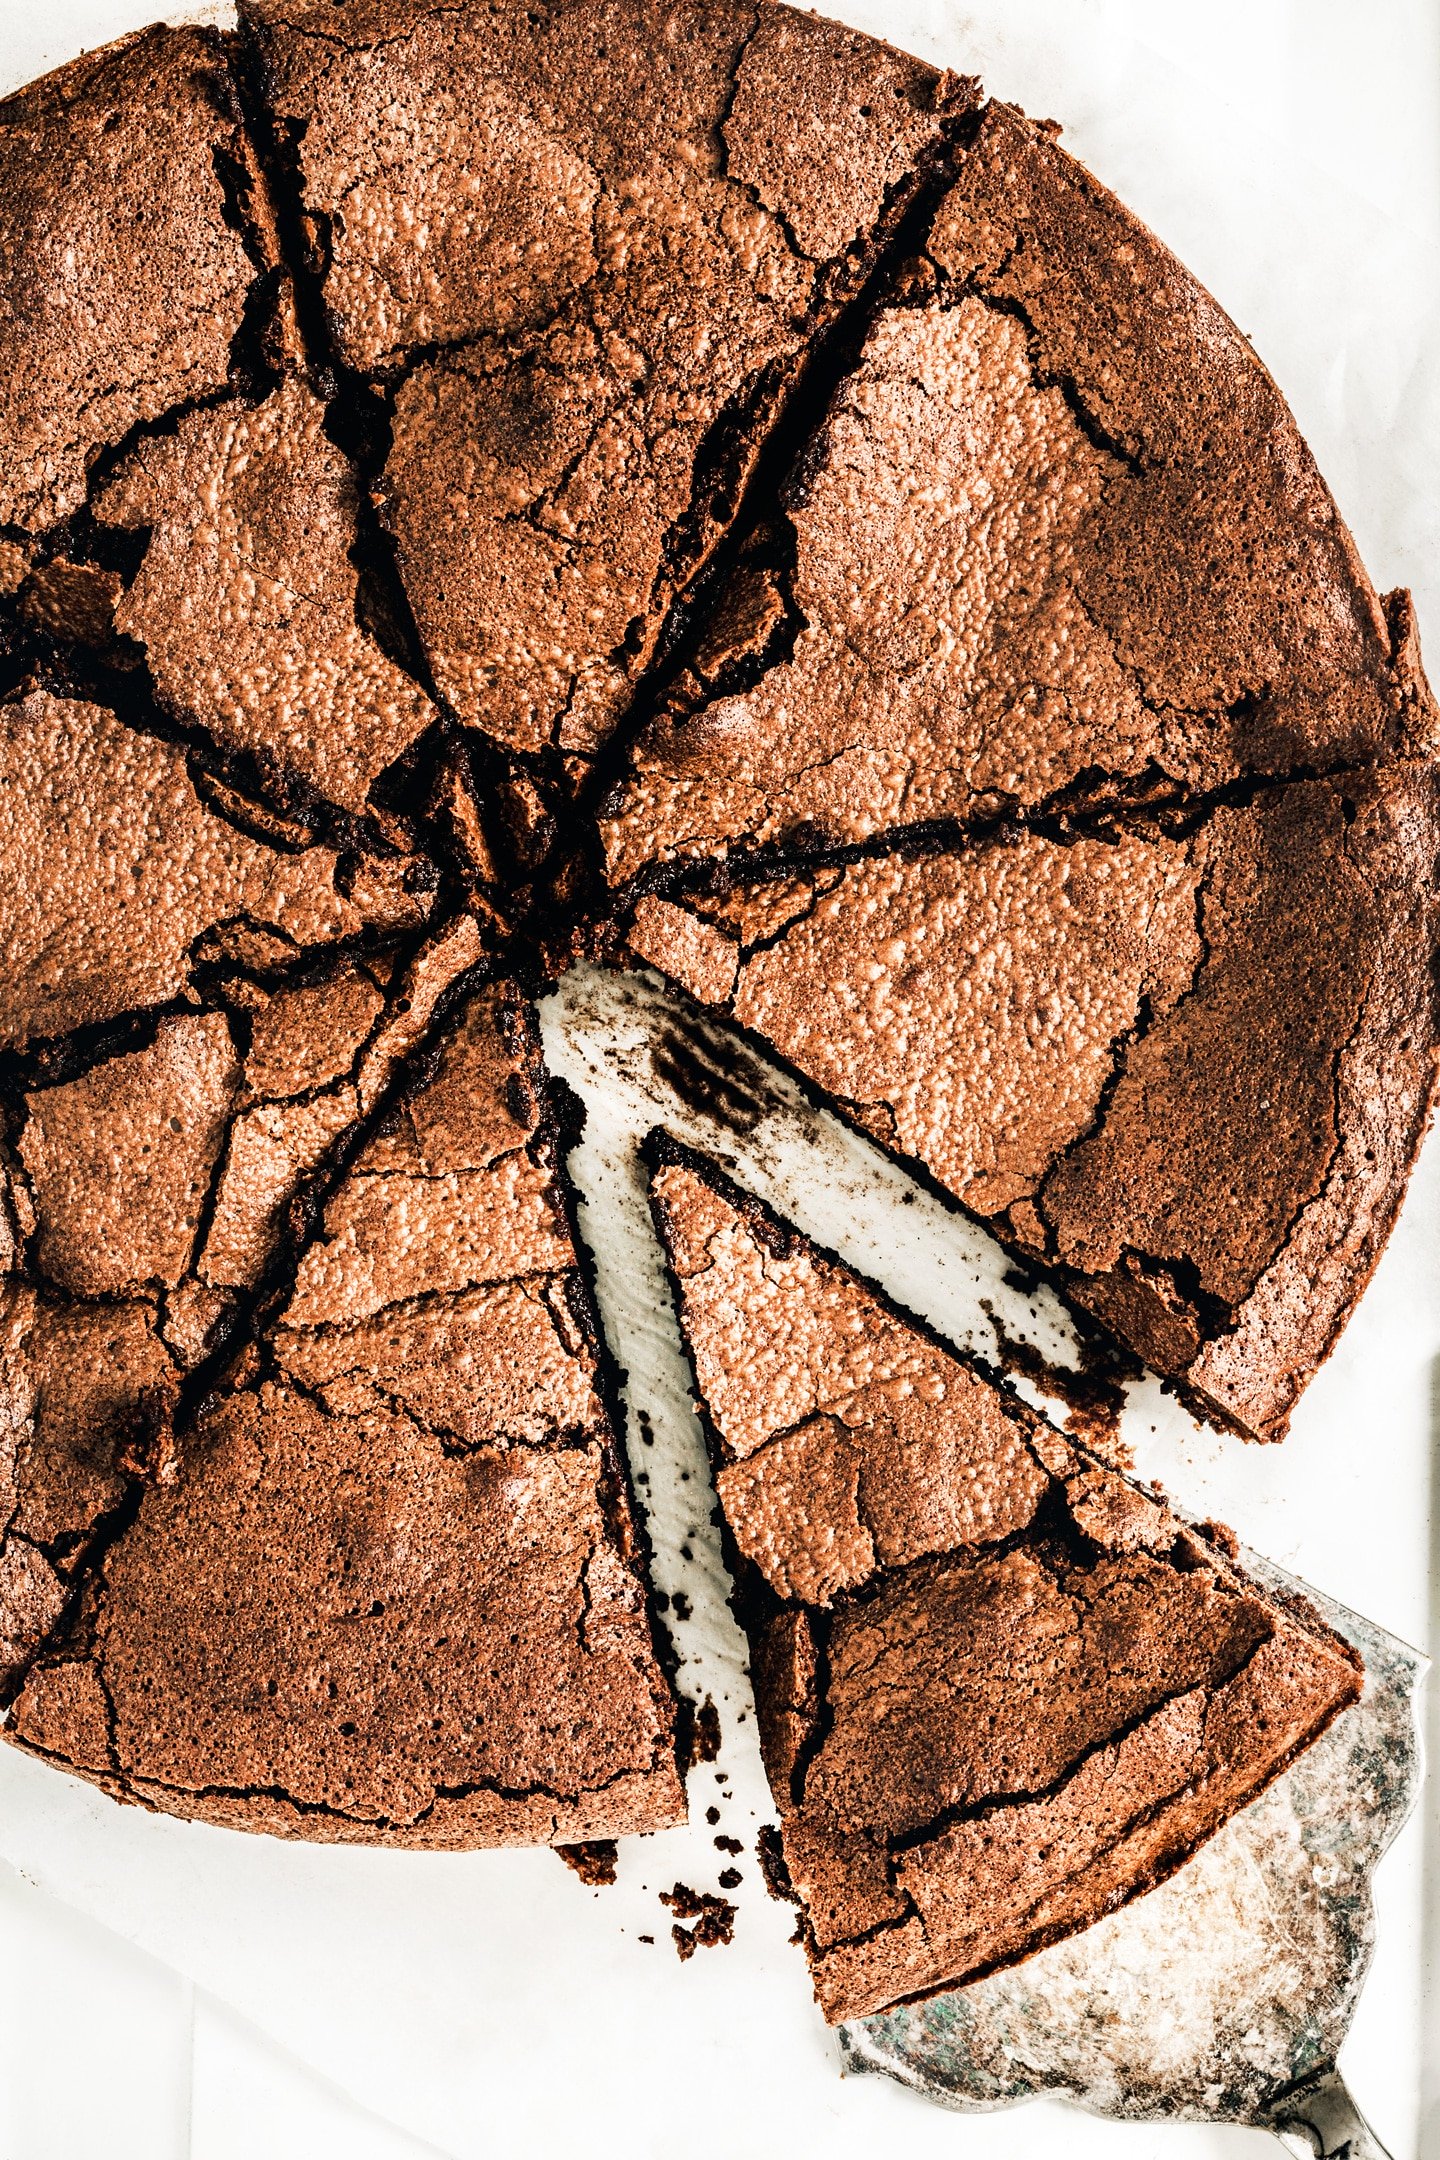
x=490 y=2004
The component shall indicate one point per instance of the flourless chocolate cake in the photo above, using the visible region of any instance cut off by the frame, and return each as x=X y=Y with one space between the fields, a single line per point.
x=680 y=480
x=1031 y=559
x=1000 y=1689
x=388 y=1585
x=1187 y=1072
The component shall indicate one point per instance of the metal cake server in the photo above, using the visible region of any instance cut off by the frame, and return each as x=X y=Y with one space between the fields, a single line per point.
x=1223 y=1995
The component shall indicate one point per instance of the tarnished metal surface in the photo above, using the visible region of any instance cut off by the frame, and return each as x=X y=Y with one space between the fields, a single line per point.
x=1226 y=1988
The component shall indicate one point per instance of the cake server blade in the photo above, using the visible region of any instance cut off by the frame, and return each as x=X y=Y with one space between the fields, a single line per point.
x=1224 y=1994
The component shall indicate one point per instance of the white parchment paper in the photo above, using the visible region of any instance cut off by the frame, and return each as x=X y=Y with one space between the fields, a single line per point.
x=491 y=2003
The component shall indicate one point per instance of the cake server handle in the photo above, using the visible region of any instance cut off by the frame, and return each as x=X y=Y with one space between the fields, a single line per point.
x=1318 y=2117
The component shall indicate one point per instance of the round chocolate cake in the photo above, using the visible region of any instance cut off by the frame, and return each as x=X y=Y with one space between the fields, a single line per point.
x=669 y=482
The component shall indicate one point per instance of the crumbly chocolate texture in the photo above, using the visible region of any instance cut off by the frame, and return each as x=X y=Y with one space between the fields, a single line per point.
x=1188 y=1074
x=125 y=179
x=245 y=602
x=1057 y=540
x=595 y=1863
x=147 y=1197
x=637 y=217
x=390 y=1590
x=124 y=870
x=194 y=514
x=1000 y=1689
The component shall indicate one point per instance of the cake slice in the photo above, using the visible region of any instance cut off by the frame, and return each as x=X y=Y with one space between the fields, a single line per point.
x=636 y=217
x=1001 y=1690
x=1057 y=541
x=152 y=1180
x=1188 y=1071
x=174 y=509
x=127 y=187
x=387 y=1585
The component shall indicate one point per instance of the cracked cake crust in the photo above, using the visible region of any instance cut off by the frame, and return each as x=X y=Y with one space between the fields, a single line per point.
x=1000 y=1689
x=119 y=176
x=154 y=1182
x=125 y=870
x=390 y=1588
x=419 y=450
x=1209 y=1058
x=1056 y=542
x=579 y=366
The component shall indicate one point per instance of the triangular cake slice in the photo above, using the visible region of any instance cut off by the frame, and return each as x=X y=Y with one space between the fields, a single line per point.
x=582 y=362
x=1056 y=541
x=387 y=1587
x=1001 y=1690
x=1188 y=1071
x=196 y=1019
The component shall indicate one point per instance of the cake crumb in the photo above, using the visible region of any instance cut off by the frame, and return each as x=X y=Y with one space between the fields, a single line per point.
x=1093 y=1394
x=702 y=1742
x=714 y=1919
x=594 y=1863
x=773 y=1871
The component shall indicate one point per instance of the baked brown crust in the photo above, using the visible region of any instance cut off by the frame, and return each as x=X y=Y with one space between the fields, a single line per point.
x=124 y=867
x=1000 y=1689
x=379 y=384
x=126 y=278
x=1207 y=1065
x=1057 y=541
x=586 y=353
x=245 y=602
x=390 y=1590
x=152 y=1186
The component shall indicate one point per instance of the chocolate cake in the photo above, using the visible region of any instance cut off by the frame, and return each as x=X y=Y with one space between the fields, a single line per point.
x=583 y=251
x=1034 y=557
x=1001 y=1690
x=387 y=1585
x=681 y=481
x=1188 y=1072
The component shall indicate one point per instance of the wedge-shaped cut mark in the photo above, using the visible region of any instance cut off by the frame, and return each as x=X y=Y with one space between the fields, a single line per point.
x=150 y=1198
x=1189 y=1074
x=120 y=876
x=130 y=257
x=588 y=286
x=391 y=1591
x=1056 y=540
x=1000 y=1689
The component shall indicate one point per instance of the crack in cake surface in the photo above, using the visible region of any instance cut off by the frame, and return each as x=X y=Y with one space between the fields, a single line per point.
x=322 y=412
x=978 y=1750
x=468 y=1448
